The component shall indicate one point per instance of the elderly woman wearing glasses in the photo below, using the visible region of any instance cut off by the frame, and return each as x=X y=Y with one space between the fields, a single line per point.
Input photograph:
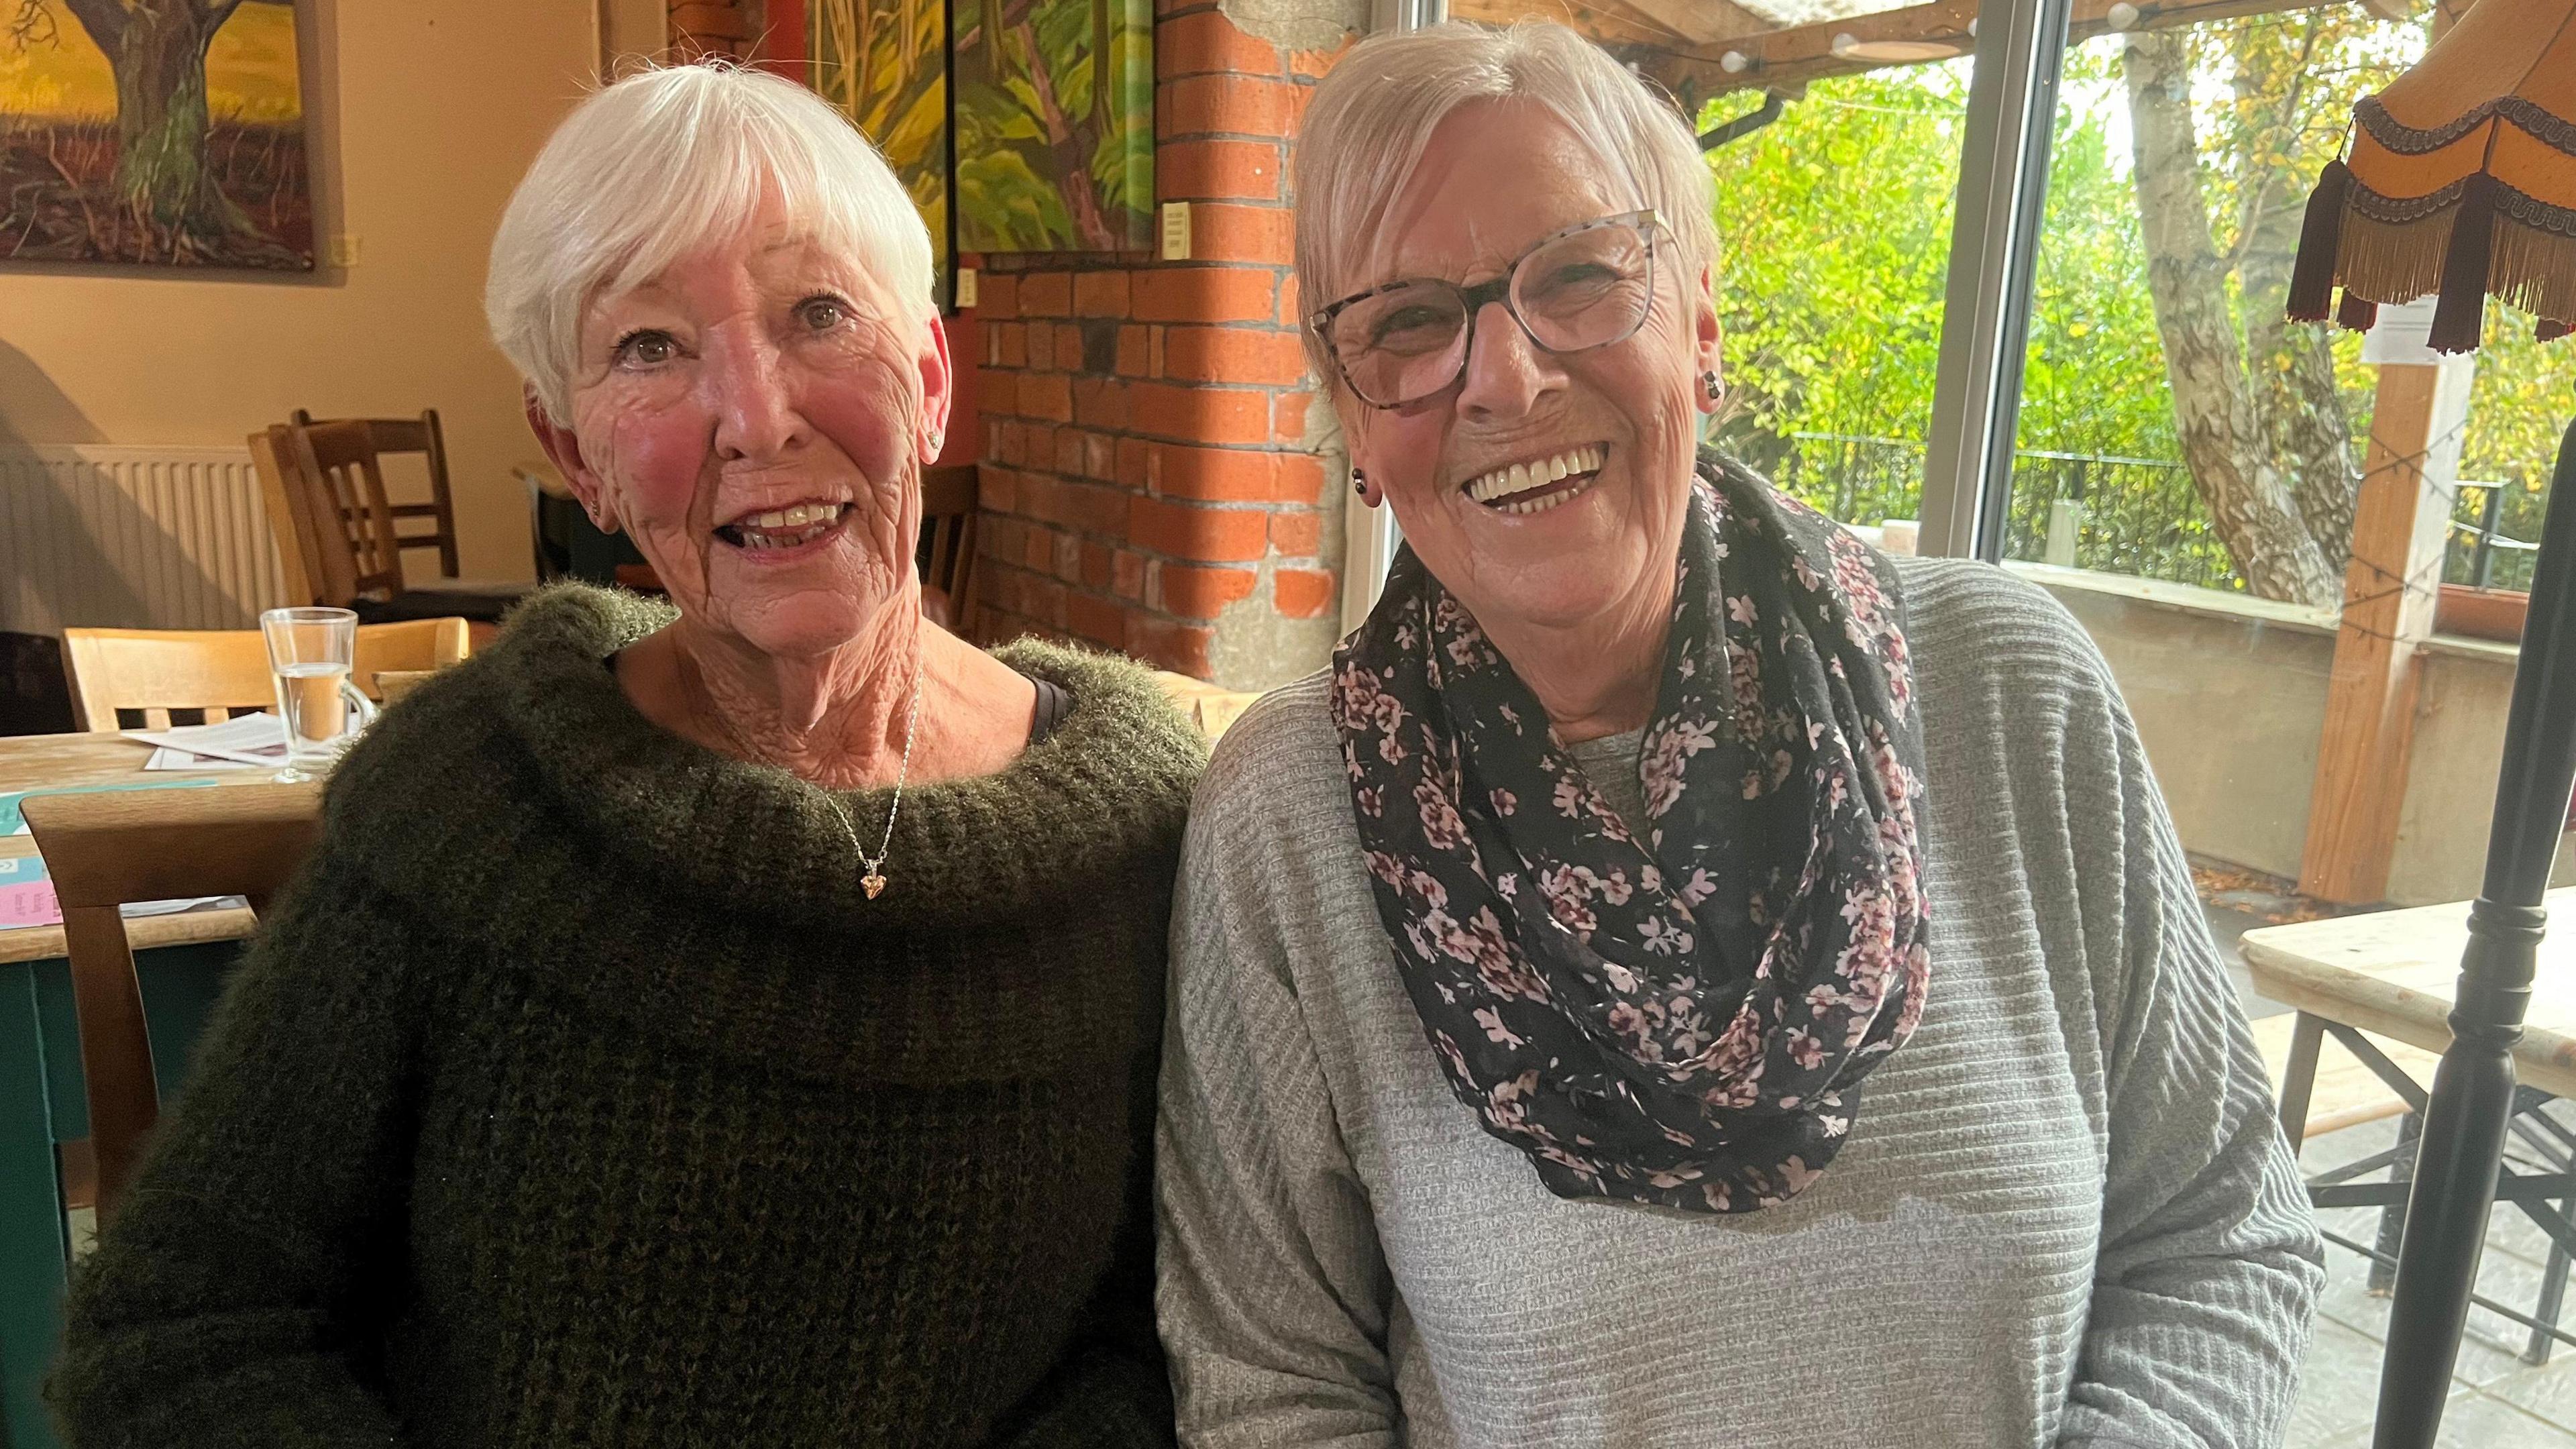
x=723 y=1025
x=1680 y=977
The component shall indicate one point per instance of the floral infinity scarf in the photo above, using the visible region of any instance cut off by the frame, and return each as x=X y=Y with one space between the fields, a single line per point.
x=1682 y=1020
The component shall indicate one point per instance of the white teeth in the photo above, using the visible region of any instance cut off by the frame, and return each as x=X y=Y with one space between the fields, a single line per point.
x=1521 y=477
x=796 y=517
x=787 y=527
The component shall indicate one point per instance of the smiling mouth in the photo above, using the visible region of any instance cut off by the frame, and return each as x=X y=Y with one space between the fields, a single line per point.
x=1541 y=484
x=786 y=527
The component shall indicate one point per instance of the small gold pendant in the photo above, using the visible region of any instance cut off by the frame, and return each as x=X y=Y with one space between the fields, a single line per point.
x=874 y=883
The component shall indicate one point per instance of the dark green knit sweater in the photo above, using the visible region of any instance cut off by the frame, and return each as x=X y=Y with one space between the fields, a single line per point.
x=576 y=1095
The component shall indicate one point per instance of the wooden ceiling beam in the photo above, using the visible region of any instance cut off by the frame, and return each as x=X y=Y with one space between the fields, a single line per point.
x=1647 y=34
x=1682 y=24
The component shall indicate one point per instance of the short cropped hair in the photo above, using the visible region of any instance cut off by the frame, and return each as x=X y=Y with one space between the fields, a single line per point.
x=1373 y=114
x=667 y=162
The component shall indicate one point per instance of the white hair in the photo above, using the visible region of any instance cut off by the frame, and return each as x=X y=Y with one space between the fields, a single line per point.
x=665 y=163
x=1373 y=114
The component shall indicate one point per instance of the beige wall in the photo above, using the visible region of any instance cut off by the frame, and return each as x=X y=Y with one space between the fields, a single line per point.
x=2229 y=694
x=420 y=117
x=2451 y=776
x=2229 y=703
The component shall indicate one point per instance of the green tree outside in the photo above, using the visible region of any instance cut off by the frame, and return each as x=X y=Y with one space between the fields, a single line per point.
x=1835 y=227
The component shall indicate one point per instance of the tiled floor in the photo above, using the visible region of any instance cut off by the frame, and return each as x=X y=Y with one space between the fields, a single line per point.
x=2497 y=1401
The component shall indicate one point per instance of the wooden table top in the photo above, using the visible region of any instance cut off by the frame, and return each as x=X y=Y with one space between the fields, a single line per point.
x=2394 y=974
x=42 y=762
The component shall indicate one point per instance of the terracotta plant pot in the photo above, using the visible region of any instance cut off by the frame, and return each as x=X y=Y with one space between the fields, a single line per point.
x=2481 y=613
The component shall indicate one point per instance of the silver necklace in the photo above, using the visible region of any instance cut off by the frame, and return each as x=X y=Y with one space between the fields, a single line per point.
x=874 y=882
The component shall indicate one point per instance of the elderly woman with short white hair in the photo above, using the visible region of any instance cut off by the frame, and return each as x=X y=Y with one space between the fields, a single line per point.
x=729 y=1023
x=1680 y=977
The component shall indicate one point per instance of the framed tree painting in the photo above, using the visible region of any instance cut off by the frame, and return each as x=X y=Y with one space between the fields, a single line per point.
x=1055 y=124
x=168 y=133
x=884 y=63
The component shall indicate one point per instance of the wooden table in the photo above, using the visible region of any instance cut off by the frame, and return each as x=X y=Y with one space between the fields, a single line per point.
x=2393 y=973
x=2383 y=985
x=1209 y=707
x=40 y=1099
x=40 y=762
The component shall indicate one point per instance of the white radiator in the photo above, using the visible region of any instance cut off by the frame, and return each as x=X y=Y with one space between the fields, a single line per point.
x=113 y=536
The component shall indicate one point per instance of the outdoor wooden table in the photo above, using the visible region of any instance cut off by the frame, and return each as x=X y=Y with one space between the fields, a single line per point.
x=2383 y=984
x=41 y=1100
x=2392 y=974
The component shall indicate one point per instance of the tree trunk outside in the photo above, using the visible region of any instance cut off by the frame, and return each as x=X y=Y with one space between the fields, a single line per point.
x=2250 y=501
x=2298 y=410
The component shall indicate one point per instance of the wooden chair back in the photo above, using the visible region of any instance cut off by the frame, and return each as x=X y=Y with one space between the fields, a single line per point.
x=335 y=465
x=950 y=498
x=223 y=672
x=103 y=850
x=414 y=435
x=301 y=543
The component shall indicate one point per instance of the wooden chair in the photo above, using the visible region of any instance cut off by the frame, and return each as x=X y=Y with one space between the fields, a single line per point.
x=413 y=435
x=300 y=553
x=103 y=850
x=334 y=497
x=950 y=498
x=345 y=493
x=223 y=672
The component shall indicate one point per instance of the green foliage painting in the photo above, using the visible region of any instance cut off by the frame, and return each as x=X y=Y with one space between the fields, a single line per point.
x=1055 y=124
x=884 y=63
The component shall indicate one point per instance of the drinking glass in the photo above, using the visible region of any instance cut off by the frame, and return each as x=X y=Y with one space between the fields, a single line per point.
x=310 y=654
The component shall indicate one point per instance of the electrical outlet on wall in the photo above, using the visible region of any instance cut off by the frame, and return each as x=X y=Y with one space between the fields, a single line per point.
x=1176 y=231
x=965 y=288
x=341 y=251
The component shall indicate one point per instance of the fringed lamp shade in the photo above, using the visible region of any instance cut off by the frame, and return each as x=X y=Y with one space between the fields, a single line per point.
x=2461 y=182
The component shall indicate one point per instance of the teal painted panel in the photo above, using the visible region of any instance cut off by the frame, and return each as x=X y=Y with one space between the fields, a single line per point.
x=181 y=985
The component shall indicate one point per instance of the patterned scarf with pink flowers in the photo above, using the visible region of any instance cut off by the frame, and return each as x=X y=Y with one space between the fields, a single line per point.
x=1683 y=1019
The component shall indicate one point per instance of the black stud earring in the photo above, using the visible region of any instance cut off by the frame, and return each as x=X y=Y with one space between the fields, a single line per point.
x=1709 y=384
x=1359 y=482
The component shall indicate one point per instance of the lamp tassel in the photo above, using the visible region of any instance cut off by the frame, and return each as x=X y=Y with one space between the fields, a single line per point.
x=2320 y=234
x=2460 y=318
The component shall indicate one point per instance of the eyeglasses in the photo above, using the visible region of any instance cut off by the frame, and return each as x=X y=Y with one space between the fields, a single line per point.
x=1586 y=286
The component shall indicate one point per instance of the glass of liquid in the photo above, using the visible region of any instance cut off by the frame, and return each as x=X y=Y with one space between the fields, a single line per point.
x=310 y=654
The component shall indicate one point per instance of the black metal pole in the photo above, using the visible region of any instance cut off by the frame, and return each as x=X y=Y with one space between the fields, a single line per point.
x=2464 y=1122
x=2488 y=517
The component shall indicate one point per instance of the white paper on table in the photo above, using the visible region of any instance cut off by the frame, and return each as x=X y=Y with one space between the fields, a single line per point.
x=242 y=742
x=134 y=910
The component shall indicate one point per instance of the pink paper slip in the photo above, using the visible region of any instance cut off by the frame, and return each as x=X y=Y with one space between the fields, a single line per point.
x=26 y=896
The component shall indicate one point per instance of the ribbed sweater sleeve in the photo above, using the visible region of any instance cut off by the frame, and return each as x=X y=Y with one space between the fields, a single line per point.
x=1275 y=1294
x=2210 y=1263
x=222 y=1308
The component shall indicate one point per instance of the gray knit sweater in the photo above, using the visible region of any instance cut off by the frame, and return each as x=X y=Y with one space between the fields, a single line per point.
x=2064 y=1217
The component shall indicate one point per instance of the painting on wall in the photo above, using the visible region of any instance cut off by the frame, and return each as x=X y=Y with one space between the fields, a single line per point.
x=885 y=64
x=1055 y=124
x=169 y=134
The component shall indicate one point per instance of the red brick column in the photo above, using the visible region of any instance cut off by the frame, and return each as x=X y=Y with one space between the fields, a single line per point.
x=1151 y=481
x=713 y=27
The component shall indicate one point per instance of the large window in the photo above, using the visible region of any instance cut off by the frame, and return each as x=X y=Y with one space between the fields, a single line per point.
x=1834 y=228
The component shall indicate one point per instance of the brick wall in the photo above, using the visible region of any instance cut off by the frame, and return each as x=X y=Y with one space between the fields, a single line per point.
x=1154 y=477
x=714 y=27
